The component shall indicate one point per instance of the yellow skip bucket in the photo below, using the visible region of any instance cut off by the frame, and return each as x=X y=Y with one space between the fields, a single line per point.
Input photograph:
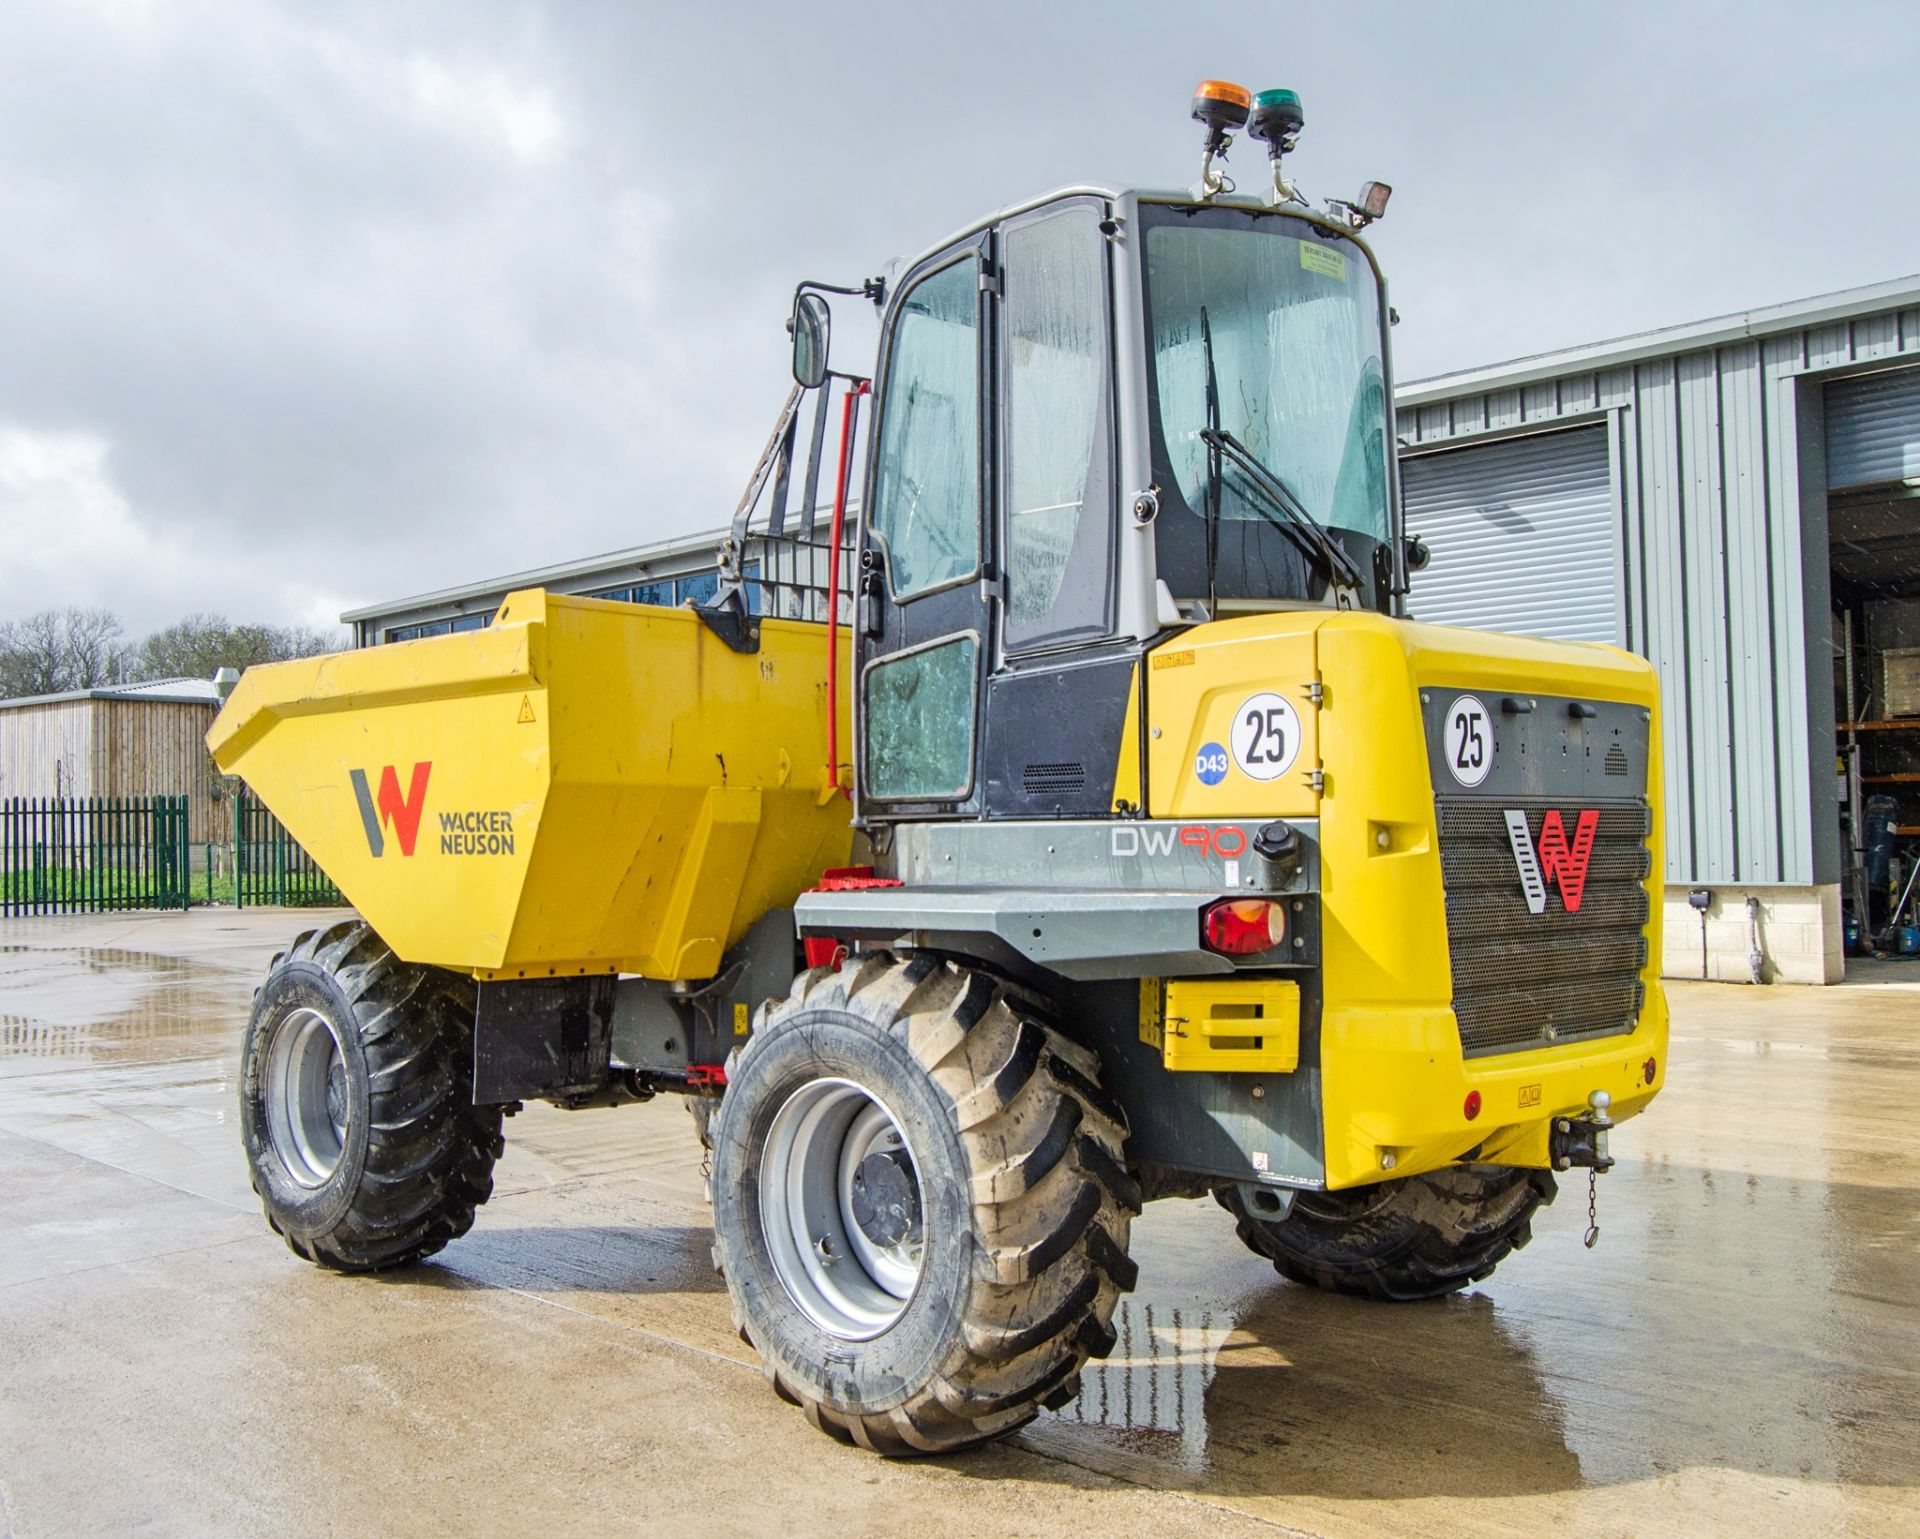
x=584 y=787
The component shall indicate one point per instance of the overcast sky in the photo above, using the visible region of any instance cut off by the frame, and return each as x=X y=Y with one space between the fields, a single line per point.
x=310 y=305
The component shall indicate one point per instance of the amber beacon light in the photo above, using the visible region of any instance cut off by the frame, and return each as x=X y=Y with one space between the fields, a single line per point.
x=1221 y=104
x=1220 y=107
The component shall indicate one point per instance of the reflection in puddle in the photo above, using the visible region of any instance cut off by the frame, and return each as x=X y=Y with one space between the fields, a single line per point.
x=1266 y=1388
x=1155 y=1382
x=100 y=1004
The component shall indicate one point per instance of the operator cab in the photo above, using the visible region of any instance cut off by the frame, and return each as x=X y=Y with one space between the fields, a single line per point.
x=1101 y=416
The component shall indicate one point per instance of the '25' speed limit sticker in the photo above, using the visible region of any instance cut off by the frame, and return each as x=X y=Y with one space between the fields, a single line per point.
x=1469 y=741
x=1265 y=736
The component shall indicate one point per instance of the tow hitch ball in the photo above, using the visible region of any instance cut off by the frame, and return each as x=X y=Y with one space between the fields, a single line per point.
x=1582 y=1141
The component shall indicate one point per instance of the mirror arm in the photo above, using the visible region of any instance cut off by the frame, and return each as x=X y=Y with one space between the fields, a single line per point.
x=867 y=288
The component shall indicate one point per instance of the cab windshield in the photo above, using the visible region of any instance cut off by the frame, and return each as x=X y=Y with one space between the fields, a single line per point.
x=1265 y=328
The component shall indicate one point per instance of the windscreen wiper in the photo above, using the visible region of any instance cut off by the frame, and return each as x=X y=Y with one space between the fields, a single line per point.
x=1275 y=492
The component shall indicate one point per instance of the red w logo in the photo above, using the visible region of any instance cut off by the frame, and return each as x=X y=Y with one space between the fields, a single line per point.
x=1557 y=861
x=390 y=809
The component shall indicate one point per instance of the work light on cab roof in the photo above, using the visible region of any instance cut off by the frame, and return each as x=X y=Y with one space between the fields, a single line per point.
x=1276 y=118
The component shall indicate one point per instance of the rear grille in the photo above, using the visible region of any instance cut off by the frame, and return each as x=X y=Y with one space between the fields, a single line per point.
x=1524 y=980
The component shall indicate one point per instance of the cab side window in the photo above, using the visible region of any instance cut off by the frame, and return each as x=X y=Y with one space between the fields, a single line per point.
x=1059 y=473
x=927 y=489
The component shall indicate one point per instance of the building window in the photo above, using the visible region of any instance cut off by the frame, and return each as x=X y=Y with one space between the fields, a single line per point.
x=660 y=593
x=473 y=622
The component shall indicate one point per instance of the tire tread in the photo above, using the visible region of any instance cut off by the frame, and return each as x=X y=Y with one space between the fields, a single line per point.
x=1421 y=1237
x=1052 y=1201
x=430 y=1150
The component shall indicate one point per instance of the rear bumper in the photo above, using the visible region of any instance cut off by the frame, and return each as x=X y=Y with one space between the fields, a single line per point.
x=1396 y=1090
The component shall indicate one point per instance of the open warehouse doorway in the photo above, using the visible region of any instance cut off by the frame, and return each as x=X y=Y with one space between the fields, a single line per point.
x=1873 y=525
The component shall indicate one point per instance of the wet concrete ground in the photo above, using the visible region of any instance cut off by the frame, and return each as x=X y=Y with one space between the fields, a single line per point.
x=1739 y=1356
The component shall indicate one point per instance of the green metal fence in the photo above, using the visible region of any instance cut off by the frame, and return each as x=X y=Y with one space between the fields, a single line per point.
x=82 y=855
x=270 y=866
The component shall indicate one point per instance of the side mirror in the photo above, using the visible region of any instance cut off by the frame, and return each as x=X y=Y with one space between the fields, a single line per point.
x=1417 y=554
x=811 y=323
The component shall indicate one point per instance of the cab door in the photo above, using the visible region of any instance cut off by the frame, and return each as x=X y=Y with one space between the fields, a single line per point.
x=926 y=608
x=1057 y=696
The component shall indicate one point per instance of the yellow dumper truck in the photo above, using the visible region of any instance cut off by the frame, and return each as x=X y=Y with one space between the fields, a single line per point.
x=1095 y=828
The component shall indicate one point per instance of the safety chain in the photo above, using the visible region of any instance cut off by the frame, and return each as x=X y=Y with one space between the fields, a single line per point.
x=1593 y=1207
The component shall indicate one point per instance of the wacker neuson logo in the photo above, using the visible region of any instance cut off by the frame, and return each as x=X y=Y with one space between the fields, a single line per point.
x=1554 y=858
x=475 y=831
x=390 y=808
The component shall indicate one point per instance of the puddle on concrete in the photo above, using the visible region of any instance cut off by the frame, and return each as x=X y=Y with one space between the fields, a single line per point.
x=103 y=1005
x=1149 y=1398
x=1727 y=1320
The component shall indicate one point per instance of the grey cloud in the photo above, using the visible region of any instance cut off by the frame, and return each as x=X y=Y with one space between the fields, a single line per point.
x=363 y=299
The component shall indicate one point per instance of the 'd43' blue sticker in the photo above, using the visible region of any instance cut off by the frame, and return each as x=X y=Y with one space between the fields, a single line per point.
x=1210 y=764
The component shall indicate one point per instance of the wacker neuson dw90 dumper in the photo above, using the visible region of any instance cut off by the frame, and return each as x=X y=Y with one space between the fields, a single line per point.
x=1169 y=858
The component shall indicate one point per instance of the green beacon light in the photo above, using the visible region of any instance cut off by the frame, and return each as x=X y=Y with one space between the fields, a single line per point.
x=1276 y=119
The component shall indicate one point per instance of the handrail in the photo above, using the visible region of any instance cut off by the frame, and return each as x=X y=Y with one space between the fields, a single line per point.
x=849 y=406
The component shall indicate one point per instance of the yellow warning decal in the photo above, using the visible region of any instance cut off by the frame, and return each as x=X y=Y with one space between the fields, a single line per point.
x=1317 y=259
x=1529 y=1095
x=1152 y=1029
x=1173 y=659
x=740 y=1021
x=526 y=708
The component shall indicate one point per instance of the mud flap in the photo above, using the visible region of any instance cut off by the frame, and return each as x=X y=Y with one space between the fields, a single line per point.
x=535 y=1037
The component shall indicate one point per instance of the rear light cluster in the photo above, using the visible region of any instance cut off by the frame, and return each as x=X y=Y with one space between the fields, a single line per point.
x=1239 y=927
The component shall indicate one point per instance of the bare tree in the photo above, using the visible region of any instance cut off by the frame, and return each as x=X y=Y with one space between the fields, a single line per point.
x=58 y=650
x=194 y=647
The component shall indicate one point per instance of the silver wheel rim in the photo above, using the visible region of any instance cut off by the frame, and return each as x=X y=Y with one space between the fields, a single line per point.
x=306 y=1097
x=843 y=1280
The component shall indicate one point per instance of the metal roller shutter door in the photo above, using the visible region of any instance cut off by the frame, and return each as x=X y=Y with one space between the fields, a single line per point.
x=1522 y=533
x=1873 y=428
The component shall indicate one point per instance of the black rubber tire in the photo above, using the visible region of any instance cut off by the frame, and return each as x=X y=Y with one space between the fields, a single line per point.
x=1027 y=1203
x=417 y=1155
x=1421 y=1237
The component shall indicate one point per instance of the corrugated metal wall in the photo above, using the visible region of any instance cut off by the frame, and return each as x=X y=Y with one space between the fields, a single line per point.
x=1719 y=454
x=1522 y=534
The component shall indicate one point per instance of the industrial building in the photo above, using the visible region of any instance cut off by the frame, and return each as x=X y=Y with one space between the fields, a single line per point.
x=1733 y=499
x=123 y=740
